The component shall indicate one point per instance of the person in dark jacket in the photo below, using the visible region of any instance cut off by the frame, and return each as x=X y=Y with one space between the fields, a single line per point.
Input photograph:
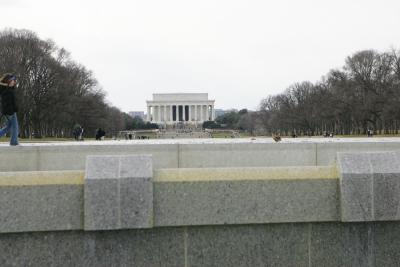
x=78 y=132
x=100 y=134
x=9 y=106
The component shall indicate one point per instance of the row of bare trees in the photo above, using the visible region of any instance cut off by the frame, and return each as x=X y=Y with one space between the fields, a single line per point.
x=54 y=93
x=364 y=94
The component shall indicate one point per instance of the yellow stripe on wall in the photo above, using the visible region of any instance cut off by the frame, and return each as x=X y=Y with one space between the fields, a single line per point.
x=247 y=173
x=41 y=178
x=178 y=175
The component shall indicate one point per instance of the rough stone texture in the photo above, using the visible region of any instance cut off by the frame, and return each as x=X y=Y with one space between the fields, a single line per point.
x=369 y=186
x=248 y=245
x=41 y=208
x=155 y=247
x=386 y=174
x=102 y=204
x=242 y=202
x=341 y=244
x=386 y=247
x=356 y=185
x=287 y=244
x=118 y=192
x=136 y=202
x=356 y=200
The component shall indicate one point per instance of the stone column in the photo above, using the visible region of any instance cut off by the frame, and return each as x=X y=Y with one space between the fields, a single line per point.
x=159 y=113
x=201 y=113
x=148 y=112
x=177 y=113
x=190 y=113
x=165 y=113
x=213 y=113
x=171 y=118
x=195 y=112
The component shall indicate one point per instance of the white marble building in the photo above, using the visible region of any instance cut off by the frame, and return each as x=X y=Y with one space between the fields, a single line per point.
x=172 y=108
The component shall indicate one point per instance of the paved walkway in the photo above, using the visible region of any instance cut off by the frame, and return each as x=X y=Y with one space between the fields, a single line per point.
x=212 y=141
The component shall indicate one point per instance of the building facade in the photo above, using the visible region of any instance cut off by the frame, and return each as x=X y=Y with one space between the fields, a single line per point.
x=173 y=108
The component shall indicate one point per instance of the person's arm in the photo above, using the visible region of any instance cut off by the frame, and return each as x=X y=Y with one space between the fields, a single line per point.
x=14 y=102
x=3 y=86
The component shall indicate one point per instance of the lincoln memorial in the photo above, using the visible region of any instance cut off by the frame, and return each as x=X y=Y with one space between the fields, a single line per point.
x=172 y=108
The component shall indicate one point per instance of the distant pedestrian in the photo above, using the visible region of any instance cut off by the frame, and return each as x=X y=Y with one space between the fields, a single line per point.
x=100 y=134
x=9 y=107
x=78 y=132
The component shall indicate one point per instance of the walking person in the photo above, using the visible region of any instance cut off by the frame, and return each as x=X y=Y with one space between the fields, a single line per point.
x=9 y=107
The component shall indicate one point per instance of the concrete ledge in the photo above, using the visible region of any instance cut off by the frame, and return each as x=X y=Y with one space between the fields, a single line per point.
x=326 y=151
x=202 y=153
x=61 y=157
x=118 y=192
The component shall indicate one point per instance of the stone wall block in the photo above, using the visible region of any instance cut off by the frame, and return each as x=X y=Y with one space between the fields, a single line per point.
x=369 y=186
x=118 y=192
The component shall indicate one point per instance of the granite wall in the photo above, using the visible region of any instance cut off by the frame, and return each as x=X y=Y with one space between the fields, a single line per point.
x=287 y=244
x=125 y=211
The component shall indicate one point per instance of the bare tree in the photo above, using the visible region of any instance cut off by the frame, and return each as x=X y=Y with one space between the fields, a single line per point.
x=54 y=92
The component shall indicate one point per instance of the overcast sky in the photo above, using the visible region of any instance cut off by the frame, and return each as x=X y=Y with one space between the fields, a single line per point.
x=238 y=52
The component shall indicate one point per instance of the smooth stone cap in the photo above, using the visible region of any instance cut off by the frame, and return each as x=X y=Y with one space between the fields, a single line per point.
x=384 y=162
x=354 y=163
x=136 y=166
x=102 y=167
